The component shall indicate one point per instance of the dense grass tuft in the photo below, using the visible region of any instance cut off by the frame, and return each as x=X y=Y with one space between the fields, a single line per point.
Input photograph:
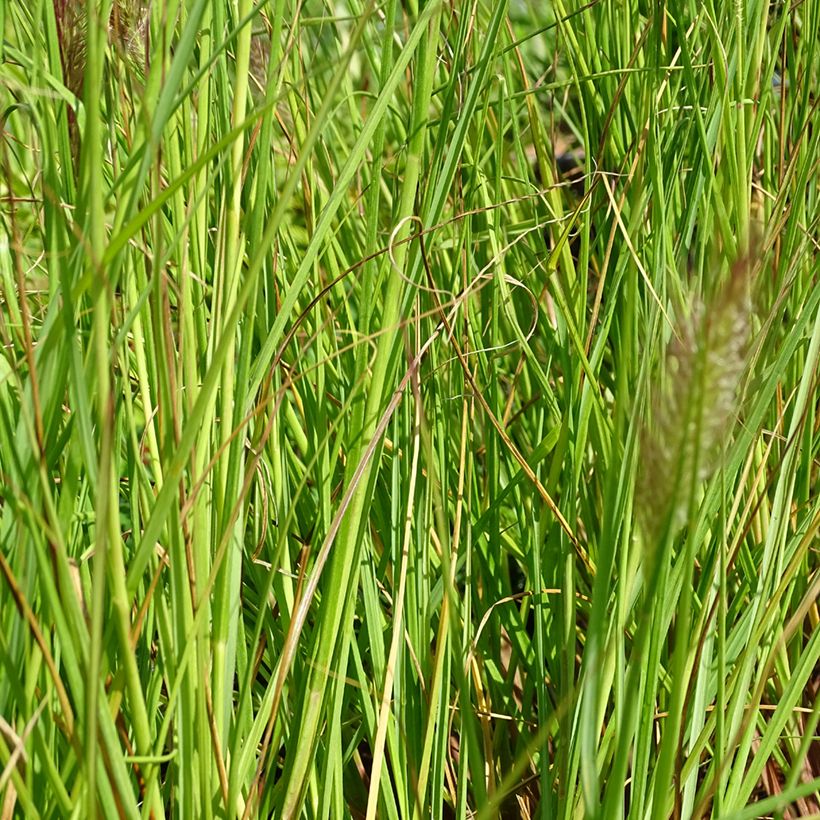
x=409 y=410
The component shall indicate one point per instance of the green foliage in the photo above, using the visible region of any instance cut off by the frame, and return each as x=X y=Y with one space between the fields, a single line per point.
x=409 y=410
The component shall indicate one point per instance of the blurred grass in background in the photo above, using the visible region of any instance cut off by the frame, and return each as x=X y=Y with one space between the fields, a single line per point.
x=409 y=410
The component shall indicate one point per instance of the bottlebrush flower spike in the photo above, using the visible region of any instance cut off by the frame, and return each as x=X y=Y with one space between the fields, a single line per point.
x=693 y=404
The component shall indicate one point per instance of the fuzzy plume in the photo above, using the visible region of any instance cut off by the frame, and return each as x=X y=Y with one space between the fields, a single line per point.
x=693 y=404
x=127 y=25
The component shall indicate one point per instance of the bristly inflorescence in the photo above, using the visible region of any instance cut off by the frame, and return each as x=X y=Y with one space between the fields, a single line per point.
x=693 y=404
x=127 y=25
x=126 y=30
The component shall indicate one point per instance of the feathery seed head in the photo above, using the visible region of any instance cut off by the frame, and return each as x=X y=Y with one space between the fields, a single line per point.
x=693 y=404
